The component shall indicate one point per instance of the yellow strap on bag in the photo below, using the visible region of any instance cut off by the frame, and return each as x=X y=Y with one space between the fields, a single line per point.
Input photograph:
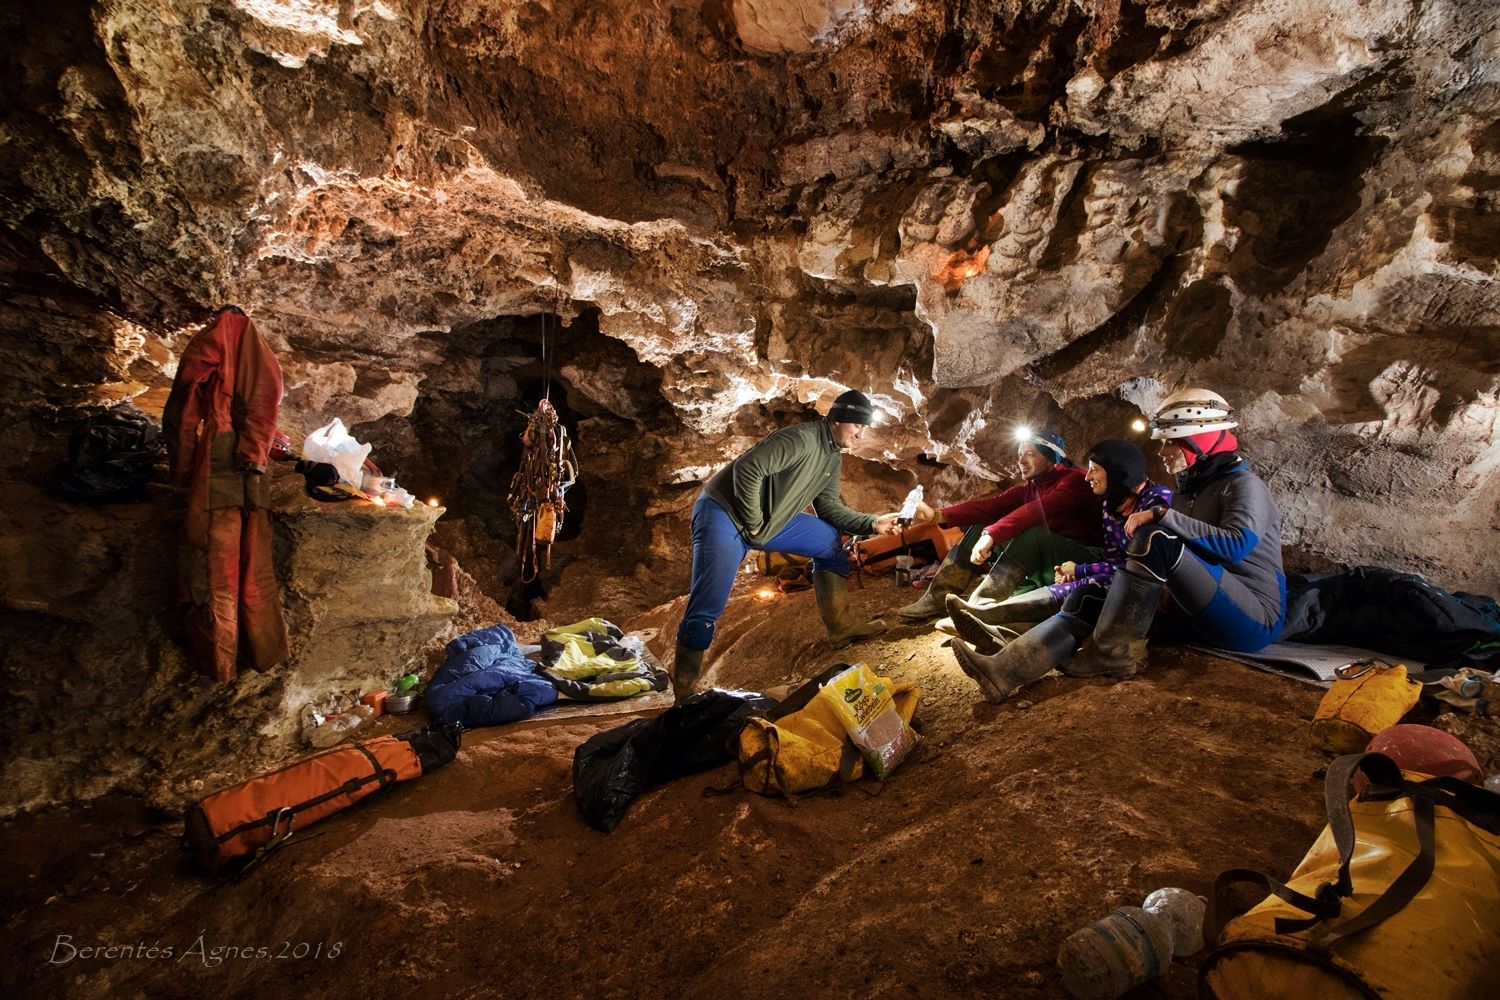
x=1367 y=698
x=801 y=745
x=1399 y=897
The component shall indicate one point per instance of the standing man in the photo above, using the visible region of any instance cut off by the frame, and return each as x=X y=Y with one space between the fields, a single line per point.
x=1051 y=517
x=756 y=502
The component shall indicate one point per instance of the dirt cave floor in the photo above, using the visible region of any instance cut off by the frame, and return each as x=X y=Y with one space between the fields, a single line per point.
x=1011 y=827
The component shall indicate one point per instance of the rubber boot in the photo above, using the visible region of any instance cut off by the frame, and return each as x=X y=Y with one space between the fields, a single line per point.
x=1118 y=648
x=687 y=664
x=954 y=574
x=1033 y=606
x=1045 y=647
x=998 y=585
x=985 y=639
x=832 y=592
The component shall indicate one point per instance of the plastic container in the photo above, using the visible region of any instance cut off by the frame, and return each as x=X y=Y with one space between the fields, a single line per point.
x=903 y=570
x=1184 y=910
x=334 y=728
x=1131 y=945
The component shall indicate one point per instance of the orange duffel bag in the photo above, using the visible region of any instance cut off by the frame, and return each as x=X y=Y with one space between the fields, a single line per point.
x=246 y=822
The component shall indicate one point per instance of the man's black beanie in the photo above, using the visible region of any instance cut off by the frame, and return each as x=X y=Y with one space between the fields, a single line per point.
x=852 y=407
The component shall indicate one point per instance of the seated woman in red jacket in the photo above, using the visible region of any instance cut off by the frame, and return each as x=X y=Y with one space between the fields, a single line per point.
x=1051 y=517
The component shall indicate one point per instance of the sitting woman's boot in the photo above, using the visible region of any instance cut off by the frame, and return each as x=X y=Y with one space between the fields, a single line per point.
x=1033 y=606
x=985 y=639
x=1118 y=648
x=1043 y=648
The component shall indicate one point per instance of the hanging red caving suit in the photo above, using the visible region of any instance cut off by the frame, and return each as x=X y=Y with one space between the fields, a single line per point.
x=219 y=421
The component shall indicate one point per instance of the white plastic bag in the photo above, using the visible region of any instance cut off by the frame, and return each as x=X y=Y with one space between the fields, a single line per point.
x=331 y=443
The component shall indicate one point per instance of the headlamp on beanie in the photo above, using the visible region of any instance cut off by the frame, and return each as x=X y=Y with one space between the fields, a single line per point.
x=852 y=407
x=1049 y=443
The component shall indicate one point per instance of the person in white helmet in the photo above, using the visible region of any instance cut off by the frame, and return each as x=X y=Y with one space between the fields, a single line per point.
x=1216 y=551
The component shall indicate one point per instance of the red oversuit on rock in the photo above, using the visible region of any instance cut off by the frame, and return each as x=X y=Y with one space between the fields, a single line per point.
x=219 y=421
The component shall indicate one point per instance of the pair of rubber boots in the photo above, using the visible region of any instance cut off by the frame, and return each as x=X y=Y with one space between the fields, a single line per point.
x=832 y=592
x=991 y=603
x=1117 y=647
x=954 y=577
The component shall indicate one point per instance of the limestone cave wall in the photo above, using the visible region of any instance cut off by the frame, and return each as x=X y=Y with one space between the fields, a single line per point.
x=717 y=215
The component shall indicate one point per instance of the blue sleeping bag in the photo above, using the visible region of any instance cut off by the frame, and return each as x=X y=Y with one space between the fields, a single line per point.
x=485 y=681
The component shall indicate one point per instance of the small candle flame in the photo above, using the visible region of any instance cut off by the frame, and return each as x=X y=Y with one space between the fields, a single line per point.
x=432 y=502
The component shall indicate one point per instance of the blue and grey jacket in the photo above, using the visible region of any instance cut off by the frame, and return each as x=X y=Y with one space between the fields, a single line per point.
x=1225 y=515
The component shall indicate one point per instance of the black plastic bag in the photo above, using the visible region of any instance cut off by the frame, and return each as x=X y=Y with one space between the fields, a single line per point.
x=613 y=768
x=112 y=456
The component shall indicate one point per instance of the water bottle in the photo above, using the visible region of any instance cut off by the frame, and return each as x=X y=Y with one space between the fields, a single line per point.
x=909 y=505
x=334 y=728
x=1131 y=945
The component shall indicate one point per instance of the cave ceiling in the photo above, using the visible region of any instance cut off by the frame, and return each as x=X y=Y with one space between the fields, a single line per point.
x=977 y=212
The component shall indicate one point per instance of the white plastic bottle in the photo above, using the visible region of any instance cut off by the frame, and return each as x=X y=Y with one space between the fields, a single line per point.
x=335 y=727
x=1131 y=945
x=909 y=505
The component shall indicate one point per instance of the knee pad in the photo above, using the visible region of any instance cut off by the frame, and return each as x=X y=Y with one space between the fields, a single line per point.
x=696 y=634
x=1154 y=551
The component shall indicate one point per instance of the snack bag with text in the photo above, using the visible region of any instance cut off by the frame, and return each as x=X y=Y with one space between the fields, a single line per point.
x=862 y=700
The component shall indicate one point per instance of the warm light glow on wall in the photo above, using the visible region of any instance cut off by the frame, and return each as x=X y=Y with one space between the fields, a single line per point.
x=960 y=268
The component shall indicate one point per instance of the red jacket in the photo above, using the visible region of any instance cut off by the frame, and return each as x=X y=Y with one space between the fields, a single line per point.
x=1059 y=500
x=228 y=387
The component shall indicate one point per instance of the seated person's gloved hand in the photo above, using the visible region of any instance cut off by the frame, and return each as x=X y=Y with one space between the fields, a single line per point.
x=924 y=514
x=982 y=548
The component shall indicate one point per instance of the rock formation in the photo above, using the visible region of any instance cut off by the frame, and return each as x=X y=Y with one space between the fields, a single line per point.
x=717 y=216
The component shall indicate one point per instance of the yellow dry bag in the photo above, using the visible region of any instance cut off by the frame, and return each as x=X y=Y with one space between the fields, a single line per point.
x=802 y=746
x=1398 y=898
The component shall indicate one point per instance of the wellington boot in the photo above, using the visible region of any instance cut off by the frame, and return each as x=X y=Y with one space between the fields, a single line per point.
x=985 y=639
x=1032 y=606
x=998 y=585
x=1118 y=648
x=953 y=576
x=687 y=664
x=1045 y=647
x=832 y=592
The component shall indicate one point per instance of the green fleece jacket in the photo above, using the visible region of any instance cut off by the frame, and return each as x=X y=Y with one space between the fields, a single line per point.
x=768 y=485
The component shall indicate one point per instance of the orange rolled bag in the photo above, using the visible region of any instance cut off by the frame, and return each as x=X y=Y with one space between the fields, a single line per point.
x=238 y=827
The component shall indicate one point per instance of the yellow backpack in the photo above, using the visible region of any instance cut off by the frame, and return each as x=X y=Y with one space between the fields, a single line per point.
x=1399 y=897
x=801 y=746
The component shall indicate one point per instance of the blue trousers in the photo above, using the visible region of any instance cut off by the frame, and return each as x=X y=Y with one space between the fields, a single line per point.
x=718 y=551
x=1215 y=607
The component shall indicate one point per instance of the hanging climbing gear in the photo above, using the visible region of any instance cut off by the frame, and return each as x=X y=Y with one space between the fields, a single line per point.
x=548 y=468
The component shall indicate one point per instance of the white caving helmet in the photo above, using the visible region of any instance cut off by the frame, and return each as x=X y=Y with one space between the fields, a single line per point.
x=1191 y=411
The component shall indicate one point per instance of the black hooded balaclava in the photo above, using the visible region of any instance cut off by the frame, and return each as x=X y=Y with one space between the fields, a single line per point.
x=1124 y=467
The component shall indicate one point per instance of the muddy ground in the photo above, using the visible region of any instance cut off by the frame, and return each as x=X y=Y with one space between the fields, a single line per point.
x=1011 y=827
